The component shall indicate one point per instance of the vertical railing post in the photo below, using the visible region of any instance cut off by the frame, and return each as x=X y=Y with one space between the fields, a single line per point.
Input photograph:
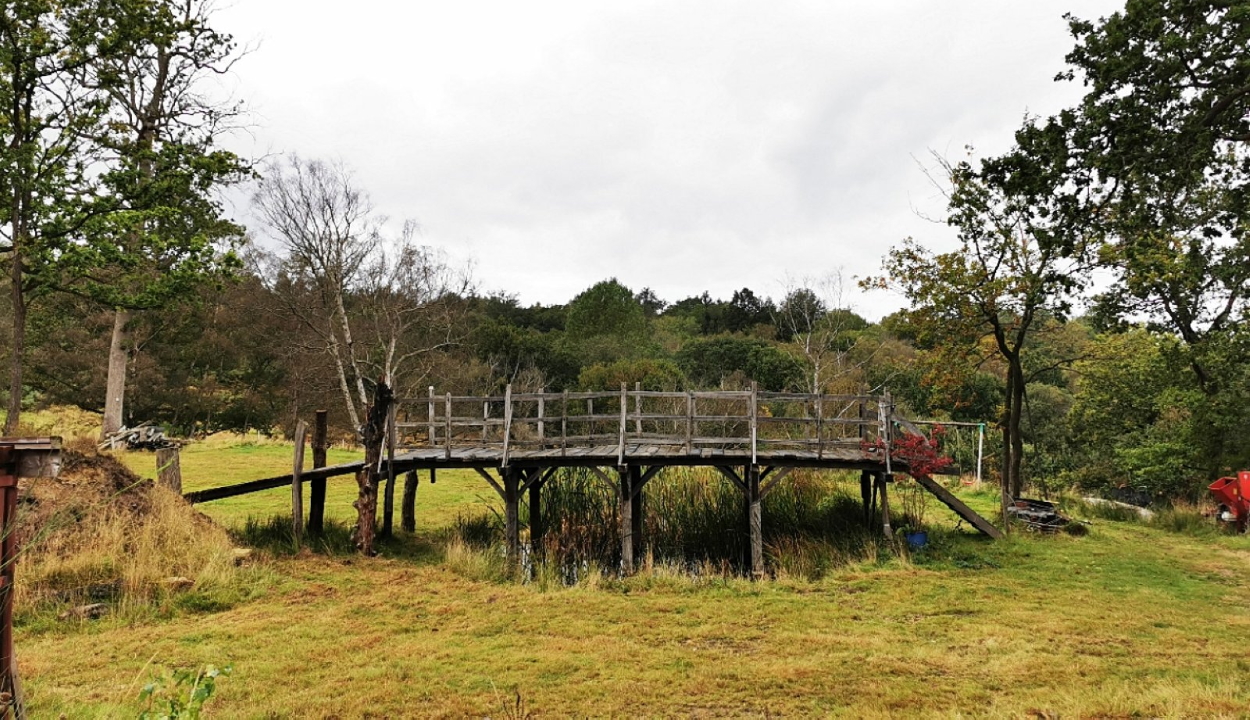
x=433 y=435
x=507 y=422
x=542 y=412
x=564 y=424
x=447 y=426
x=638 y=409
x=820 y=426
x=755 y=404
x=620 y=448
x=689 y=422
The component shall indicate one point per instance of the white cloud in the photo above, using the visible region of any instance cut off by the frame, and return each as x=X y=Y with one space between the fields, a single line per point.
x=683 y=146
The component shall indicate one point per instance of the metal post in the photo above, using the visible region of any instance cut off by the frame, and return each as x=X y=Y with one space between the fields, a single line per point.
x=980 y=447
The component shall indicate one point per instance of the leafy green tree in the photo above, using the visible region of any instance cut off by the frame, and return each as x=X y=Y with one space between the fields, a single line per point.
x=46 y=120
x=710 y=362
x=165 y=230
x=1009 y=272
x=651 y=374
x=1155 y=162
x=607 y=323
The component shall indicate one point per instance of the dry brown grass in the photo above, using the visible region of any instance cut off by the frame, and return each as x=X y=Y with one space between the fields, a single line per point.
x=99 y=533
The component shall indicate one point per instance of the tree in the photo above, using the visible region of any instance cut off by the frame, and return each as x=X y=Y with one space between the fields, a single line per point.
x=165 y=230
x=820 y=329
x=328 y=230
x=606 y=322
x=1009 y=272
x=45 y=120
x=375 y=303
x=1156 y=163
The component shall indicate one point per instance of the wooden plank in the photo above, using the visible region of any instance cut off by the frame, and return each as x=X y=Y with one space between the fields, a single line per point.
x=960 y=508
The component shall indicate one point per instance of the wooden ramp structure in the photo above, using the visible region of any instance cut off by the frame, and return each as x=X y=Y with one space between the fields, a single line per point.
x=517 y=441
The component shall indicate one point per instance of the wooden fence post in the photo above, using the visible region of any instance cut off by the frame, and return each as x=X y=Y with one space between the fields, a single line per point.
x=388 y=502
x=317 y=488
x=169 y=468
x=297 y=486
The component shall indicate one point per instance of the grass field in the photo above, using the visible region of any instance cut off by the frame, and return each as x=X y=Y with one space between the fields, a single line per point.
x=1129 y=620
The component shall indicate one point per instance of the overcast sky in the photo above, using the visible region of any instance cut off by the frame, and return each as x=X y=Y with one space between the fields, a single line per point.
x=682 y=146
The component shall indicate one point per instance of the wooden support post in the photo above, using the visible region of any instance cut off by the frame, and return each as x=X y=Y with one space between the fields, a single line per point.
x=882 y=480
x=626 y=521
x=169 y=469
x=865 y=492
x=388 y=501
x=512 y=530
x=536 y=516
x=408 y=509
x=317 y=488
x=635 y=509
x=756 y=520
x=297 y=485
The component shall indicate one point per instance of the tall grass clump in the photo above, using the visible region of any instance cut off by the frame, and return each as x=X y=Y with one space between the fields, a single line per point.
x=695 y=519
x=100 y=534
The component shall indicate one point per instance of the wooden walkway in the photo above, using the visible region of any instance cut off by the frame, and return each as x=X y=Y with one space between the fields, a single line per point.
x=516 y=442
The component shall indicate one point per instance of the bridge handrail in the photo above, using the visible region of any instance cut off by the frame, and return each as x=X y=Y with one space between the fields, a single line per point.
x=564 y=420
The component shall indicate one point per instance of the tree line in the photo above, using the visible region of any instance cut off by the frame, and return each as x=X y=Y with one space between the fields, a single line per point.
x=1094 y=309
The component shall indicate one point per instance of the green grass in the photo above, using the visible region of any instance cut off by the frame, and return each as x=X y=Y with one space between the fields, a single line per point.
x=214 y=463
x=1131 y=619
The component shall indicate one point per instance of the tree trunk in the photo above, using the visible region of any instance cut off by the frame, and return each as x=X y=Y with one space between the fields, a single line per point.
x=367 y=479
x=115 y=396
x=18 y=348
x=1015 y=429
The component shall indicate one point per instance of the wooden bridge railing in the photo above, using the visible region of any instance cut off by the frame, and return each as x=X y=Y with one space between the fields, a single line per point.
x=738 y=420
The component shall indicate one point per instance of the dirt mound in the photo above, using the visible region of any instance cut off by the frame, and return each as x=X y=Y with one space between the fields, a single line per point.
x=88 y=482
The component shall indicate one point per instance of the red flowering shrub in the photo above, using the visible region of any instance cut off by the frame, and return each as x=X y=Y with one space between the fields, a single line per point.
x=922 y=455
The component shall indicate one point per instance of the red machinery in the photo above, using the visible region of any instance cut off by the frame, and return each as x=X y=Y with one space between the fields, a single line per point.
x=1233 y=496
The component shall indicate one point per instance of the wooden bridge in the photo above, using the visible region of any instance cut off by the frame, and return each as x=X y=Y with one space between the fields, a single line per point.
x=517 y=441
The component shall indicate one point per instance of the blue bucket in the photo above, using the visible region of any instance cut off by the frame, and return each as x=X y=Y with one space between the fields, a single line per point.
x=917 y=540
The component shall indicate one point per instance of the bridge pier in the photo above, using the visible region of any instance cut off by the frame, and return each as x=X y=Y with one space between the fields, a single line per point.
x=626 y=498
x=865 y=493
x=755 y=520
x=536 y=515
x=882 y=480
x=408 y=505
x=635 y=510
x=512 y=531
